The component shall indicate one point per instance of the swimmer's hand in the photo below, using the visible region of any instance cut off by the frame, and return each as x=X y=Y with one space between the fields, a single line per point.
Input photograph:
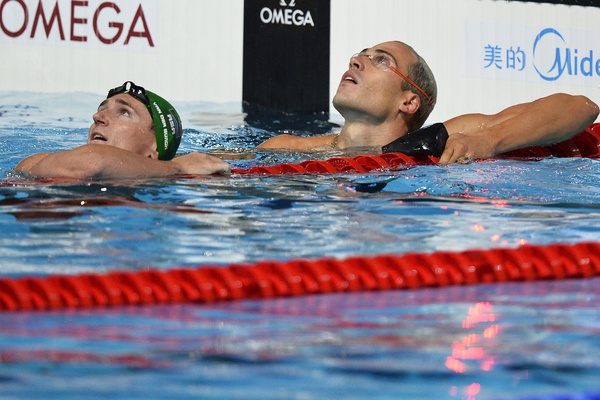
x=196 y=163
x=463 y=149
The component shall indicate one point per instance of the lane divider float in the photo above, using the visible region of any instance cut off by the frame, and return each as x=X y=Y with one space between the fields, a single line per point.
x=270 y=279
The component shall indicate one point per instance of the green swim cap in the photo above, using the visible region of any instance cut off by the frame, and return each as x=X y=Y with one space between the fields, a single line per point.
x=165 y=119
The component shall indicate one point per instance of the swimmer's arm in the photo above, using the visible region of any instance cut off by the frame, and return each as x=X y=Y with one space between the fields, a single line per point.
x=99 y=161
x=26 y=164
x=547 y=120
x=291 y=142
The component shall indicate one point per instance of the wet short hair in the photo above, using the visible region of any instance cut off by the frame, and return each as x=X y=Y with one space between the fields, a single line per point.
x=420 y=73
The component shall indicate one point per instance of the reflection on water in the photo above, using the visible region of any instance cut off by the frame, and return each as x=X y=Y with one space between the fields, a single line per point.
x=74 y=227
x=504 y=341
x=472 y=350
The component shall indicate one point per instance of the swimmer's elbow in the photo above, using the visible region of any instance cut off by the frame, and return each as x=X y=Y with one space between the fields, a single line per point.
x=589 y=110
x=593 y=108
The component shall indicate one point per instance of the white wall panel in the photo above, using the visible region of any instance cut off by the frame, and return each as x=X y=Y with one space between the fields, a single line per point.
x=197 y=53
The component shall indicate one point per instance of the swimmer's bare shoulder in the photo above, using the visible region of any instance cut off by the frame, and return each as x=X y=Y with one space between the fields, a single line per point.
x=291 y=142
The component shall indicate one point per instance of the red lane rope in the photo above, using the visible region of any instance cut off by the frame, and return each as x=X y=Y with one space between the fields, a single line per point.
x=269 y=279
x=585 y=144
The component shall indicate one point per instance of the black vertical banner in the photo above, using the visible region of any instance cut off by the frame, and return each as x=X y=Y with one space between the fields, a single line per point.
x=286 y=56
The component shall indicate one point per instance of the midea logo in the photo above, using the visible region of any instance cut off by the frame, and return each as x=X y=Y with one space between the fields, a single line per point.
x=552 y=58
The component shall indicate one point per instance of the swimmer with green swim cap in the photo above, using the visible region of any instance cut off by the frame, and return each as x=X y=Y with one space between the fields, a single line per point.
x=134 y=134
x=165 y=119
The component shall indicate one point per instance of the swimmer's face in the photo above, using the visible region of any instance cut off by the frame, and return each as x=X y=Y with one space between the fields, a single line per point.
x=124 y=122
x=371 y=91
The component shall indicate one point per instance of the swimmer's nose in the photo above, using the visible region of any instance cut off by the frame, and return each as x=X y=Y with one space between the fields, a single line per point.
x=99 y=117
x=356 y=62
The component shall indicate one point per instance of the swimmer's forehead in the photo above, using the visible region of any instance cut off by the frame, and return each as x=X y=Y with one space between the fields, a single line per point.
x=118 y=100
x=379 y=51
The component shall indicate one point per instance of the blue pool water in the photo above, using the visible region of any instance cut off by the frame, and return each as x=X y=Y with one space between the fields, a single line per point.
x=544 y=337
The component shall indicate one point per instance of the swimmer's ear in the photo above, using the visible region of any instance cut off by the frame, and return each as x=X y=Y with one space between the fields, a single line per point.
x=410 y=102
